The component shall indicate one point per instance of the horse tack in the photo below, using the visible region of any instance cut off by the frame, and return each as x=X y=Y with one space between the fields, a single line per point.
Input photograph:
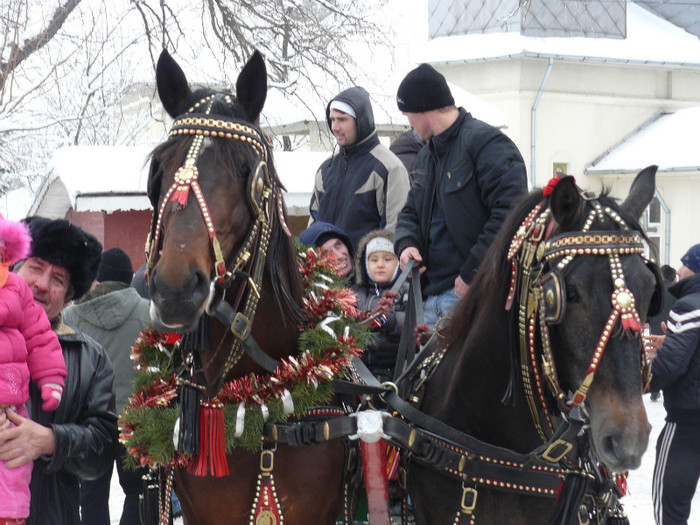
x=542 y=293
x=261 y=193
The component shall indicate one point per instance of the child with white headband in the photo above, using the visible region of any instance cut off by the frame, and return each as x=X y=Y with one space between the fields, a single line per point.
x=376 y=270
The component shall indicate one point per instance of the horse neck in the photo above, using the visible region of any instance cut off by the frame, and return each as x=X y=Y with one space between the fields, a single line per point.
x=474 y=378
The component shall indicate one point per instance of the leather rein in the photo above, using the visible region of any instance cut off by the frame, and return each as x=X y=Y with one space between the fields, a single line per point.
x=264 y=199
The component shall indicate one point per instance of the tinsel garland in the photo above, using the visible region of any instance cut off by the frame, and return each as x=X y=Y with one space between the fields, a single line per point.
x=329 y=338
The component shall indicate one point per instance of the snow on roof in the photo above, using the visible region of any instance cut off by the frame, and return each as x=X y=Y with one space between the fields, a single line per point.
x=670 y=141
x=650 y=40
x=15 y=204
x=114 y=178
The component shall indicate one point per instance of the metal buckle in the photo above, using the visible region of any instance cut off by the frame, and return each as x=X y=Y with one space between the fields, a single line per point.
x=468 y=500
x=548 y=454
x=267 y=460
x=240 y=326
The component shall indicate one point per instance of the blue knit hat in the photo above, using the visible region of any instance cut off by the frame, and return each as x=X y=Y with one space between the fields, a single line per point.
x=692 y=259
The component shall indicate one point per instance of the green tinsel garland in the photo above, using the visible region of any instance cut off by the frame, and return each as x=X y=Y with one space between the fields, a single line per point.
x=148 y=421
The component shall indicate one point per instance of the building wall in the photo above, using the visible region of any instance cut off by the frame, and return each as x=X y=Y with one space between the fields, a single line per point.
x=586 y=109
x=124 y=229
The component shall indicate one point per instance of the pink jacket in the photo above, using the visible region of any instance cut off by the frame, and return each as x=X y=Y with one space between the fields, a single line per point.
x=28 y=346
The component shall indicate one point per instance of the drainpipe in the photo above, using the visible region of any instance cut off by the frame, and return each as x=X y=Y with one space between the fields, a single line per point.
x=667 y=227
x=533 y=122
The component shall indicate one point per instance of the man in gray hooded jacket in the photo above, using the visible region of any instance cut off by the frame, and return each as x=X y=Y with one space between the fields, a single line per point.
x=363 y=186
x=113 y=314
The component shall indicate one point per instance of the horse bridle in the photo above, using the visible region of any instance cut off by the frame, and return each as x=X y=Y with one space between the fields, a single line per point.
x=263 y=197
x=538 y=261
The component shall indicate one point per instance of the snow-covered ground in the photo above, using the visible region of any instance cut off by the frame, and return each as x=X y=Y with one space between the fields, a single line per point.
x=637 y=503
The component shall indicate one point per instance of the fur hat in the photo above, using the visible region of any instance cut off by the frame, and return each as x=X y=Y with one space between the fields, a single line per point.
x=692 y=259
x=14 y=237
x=115 y=266
x=64 y=244
x=423 y=89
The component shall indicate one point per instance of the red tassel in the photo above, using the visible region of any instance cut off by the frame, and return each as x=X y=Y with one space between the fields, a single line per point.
x=211 y=459
x=622 y=483
x=180 y=196
x=630 y=323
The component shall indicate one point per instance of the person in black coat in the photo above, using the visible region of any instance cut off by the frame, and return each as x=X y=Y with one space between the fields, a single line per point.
x=464 y=182
x=676 y=371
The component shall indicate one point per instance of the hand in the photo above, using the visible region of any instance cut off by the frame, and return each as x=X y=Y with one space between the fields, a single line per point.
x=4 y=422
x=461 y=288
x=25 y=442
x=51 y=394
x=423 y=333
x=411 y=253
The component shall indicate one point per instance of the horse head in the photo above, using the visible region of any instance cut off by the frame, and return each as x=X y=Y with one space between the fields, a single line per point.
x=598 y=289
x=219 y=242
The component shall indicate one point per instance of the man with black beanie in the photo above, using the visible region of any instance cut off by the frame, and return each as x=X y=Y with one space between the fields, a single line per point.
x=112 y=313
x=464 y=181
x=78 y=440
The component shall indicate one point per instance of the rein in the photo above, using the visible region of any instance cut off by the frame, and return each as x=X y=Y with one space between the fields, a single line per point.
x=263 y=197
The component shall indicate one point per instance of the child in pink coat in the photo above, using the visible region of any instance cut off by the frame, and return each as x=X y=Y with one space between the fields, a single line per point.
x=28 y=349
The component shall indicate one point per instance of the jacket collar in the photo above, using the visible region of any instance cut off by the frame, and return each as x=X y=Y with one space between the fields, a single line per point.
x=685 y=286
x=363 y=146
x=439 y=144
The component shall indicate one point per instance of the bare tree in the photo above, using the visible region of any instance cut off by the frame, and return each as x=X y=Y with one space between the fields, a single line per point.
x=81 y=72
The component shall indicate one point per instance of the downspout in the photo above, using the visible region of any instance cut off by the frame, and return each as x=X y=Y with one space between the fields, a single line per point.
x=667 y=227
x=533 y=122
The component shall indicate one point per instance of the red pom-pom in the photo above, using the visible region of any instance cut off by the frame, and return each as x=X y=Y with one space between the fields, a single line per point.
x=549 y=188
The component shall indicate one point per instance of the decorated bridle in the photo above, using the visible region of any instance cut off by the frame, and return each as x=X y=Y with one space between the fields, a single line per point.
x=537 y=264
x=264 y=198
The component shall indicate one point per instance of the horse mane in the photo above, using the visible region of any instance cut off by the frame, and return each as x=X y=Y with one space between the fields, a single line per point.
x=281 y=261
x=492 y=275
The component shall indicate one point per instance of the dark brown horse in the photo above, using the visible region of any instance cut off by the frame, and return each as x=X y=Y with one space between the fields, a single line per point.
x=226 y=235
x=479 y=387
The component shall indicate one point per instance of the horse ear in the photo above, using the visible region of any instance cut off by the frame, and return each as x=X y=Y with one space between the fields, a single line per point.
x=251 y=86
x=641 y=192
x=173 y=89
x=565 y=203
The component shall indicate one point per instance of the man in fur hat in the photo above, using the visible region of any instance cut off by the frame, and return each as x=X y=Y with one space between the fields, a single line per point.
x=77 y=441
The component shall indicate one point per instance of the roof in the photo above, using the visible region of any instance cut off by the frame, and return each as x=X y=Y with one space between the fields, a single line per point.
x=114 y=178
x=669 y=140
x=650 y=40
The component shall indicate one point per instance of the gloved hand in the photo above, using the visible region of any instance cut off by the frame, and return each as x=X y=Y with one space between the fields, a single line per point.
x=423 y=333
x=51 y=394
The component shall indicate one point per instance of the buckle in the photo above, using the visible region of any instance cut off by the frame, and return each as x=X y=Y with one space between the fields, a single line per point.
x=468 y=500
x=240 y=326
x=267 y=458
x=548 y=454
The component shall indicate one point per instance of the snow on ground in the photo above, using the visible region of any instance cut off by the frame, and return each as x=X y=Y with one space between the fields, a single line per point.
x=637 y=504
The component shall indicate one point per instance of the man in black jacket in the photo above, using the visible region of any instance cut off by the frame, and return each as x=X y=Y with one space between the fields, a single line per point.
x=676 y=371
x=363 y=186
x=78 y=440
x=464 y=181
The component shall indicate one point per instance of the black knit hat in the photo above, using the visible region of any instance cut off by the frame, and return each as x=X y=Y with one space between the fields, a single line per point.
x=64 y=244
x=115 y=266
x=423 y=89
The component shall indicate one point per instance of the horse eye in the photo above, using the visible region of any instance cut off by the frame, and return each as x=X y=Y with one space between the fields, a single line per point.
x=572 y=295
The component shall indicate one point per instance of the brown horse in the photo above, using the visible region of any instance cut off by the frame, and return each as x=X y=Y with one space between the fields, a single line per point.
x=486 y=387
x=225 y=236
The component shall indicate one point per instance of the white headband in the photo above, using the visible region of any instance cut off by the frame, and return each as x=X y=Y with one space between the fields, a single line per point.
x=344 y=107
x=379 y=244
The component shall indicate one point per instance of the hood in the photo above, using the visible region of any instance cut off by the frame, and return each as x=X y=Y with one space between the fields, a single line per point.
x=685 y=286
x=361 y=275
x=357 y=98
x=107 y=311
x=314 y=233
